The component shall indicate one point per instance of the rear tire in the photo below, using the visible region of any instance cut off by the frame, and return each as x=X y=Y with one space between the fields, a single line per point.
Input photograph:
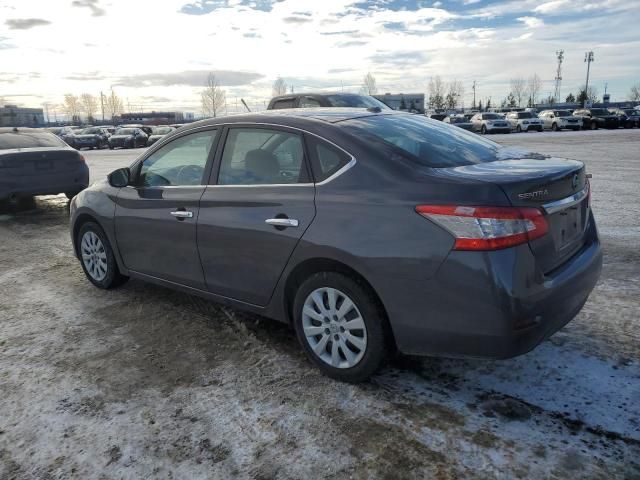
x=594 y=126
x=483 y=130
x=519 y=129
x=341 y=327
x=97 y=258
x=554 y=127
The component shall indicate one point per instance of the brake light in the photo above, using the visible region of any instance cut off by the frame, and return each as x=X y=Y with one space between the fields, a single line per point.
x=81 y=157
x=487 y=228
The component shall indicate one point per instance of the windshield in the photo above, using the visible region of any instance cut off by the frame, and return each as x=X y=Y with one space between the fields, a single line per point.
x=90 y=131
x=600 y=111
x=161 y=130
x=428 y=142
x=562 y=113
x=525 y=115
x=29 y=140
x=491 y=116
x=126 y=131
x=358 y=101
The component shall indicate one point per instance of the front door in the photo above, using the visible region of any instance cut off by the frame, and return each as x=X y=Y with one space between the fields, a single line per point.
x=156 y=217
x=253 y=216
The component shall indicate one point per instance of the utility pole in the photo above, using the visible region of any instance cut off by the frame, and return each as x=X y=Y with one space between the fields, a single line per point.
x=46 y=108
x=102 y=105
x=588 y=58
x=474 y=94
x=560 y=57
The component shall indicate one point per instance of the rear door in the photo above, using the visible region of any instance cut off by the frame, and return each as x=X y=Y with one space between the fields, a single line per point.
x=156 y=217
x=259 y=203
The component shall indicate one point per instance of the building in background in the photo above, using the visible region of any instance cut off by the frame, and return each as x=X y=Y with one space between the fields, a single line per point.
x=14 y=116
x=410 y=102
x=151 y=118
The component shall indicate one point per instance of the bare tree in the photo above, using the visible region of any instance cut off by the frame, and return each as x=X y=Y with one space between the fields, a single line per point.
x=534 y=85
x=279 y=87
x=72 y=107
x=436 y=92
x=113 y=105
x=634 y=93
x=213 y=97
x=518 y=88
x=89 y=105
x=455 y=94
x=369 y=86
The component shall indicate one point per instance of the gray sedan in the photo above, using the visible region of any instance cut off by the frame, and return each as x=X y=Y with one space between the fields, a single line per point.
x=366 y=230
x=37 y=162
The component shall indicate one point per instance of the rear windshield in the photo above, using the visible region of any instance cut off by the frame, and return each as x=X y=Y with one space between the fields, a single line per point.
x=358 y=101
x=29 y=140
x=125 y=131
x=429 y=142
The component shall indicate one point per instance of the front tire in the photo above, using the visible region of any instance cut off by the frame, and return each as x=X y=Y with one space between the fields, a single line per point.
x=483 y=130
x=554 y=127
x=340 y=325
x=594 y=126
x=97 y=258
x=519 y=129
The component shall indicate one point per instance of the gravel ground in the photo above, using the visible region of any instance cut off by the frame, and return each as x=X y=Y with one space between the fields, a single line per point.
x=144 y=382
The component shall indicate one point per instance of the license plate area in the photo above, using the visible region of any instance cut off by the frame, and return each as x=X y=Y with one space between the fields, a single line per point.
x=43 y=165
x=568 y=226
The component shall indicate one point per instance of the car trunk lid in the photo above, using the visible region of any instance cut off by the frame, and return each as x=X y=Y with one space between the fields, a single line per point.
x=33 y=161
x=559 y=187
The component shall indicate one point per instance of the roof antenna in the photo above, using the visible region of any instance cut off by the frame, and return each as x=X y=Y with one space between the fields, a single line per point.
x=245 y=105
x=374 y=109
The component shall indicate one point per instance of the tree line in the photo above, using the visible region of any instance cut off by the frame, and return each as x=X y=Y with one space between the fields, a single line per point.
x=75 y=106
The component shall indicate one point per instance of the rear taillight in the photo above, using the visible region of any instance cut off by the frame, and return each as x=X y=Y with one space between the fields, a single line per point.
x=81 y=157
x=487 y=228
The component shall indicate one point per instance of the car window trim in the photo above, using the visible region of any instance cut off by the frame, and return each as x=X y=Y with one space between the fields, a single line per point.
x=137 y=165
x=223 y=138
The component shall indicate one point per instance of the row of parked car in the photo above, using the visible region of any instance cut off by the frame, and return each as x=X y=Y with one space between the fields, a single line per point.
x=530 y=120
x=107 y=136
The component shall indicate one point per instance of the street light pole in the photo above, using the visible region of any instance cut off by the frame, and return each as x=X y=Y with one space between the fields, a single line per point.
x=588 y=58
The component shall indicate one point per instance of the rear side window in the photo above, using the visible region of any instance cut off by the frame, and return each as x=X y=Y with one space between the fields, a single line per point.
x=325 y=158
x=258 y=156
x=284 y=103
x=308 y=102
x=27 y=139
x=425 y=141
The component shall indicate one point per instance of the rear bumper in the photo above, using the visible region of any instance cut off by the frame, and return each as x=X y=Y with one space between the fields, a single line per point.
x=493 y=304
x=45 y=183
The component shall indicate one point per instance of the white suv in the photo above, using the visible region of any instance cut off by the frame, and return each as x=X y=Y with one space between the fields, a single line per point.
x=489 y=123
x=559 y=119
x=524 y=121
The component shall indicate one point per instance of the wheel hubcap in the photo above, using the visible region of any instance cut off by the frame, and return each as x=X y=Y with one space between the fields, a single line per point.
x=334 y=327
x=93 y=256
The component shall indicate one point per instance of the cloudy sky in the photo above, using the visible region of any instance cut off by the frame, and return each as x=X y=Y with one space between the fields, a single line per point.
x=156 y=54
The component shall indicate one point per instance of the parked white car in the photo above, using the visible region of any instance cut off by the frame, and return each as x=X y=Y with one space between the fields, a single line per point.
x=559 y=119
x=524 y=121
x=489 y=123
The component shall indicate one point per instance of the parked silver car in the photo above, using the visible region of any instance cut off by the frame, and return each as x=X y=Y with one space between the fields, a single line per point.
x=559 y=119
x=524 y=121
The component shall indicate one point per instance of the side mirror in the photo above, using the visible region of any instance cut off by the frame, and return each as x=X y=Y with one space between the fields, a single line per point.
x=119 y=178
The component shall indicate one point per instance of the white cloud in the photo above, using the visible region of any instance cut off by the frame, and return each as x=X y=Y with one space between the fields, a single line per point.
x=531 y=22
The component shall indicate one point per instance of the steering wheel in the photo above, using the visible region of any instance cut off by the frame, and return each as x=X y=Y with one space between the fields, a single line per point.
x=189 y=175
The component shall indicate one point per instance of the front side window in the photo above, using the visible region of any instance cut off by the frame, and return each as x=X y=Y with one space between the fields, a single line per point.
x=258 y=156
x=180 y=162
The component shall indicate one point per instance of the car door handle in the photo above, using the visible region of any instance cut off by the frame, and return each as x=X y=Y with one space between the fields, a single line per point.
x=282 y=222
x=182 y=214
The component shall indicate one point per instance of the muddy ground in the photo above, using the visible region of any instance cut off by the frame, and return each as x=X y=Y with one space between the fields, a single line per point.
x=144 y=382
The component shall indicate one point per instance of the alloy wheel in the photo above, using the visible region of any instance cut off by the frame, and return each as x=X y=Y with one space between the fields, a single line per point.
x=94 y=256
x=334 y=327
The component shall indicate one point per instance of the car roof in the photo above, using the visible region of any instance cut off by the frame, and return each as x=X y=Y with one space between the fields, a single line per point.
x=297 y=116
x=22 y=130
